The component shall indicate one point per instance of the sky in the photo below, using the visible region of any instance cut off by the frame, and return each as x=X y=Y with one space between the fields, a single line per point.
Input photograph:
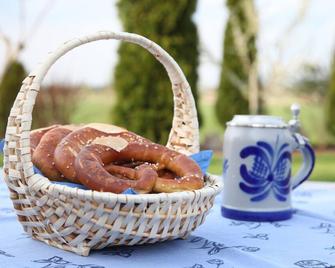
x=280 y=45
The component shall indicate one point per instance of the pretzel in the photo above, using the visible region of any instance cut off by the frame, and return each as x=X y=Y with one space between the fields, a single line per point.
x=126 y=169
x=43 y=156
x=68 y=149
x=37 y=134
x=91 y=160
x=90 y=172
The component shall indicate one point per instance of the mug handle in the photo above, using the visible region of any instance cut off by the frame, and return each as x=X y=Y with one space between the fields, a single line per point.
x=308 y=160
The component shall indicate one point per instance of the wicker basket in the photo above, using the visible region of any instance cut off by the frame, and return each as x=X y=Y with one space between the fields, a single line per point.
x=79 y=220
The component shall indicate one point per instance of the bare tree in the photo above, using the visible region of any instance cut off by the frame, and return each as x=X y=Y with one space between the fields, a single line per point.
x=14 y=71
x=13 y=49
x=278 y=72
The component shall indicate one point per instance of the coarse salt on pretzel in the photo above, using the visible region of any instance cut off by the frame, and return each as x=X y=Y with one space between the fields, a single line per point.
x=91 y=173
x=43 y=156
x=68 y=149
x=37 y=134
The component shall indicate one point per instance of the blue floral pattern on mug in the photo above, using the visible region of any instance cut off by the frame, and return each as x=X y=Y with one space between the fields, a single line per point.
x=270 y=171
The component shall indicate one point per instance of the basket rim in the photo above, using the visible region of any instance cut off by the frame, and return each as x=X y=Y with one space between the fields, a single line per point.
x=36 y=183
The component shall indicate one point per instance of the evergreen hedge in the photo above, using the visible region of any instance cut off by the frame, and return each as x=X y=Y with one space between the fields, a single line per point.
x=330 y=99
x=9 y=87
x=144 y=96
x=233 y=88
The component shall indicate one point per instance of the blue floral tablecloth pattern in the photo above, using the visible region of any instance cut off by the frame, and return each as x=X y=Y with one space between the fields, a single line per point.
x=306 y=241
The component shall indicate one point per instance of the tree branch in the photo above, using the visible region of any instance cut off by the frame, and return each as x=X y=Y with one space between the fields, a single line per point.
x=38 y=20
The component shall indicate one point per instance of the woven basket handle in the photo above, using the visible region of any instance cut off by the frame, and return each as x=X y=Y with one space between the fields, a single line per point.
x=184 y=135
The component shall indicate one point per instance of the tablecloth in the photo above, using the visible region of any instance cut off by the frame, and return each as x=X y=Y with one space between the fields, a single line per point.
x=307 y=240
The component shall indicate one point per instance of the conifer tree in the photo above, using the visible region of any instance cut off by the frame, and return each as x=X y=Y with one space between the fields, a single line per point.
x=330 y=106
x=144 y=96
x=239 y=55
x=9 y=87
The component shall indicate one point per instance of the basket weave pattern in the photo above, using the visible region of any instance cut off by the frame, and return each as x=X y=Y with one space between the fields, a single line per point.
x=79 y=220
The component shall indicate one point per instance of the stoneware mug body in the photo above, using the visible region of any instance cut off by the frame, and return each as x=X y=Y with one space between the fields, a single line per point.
x=257 y=168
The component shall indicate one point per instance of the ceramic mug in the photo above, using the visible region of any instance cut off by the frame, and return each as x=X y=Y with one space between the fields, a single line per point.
x=257 y=167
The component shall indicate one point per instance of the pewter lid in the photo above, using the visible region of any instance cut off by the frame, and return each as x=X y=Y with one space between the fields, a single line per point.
x=260 y=121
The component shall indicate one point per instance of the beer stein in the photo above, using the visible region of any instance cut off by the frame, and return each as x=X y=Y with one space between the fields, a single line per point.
x=257 y=166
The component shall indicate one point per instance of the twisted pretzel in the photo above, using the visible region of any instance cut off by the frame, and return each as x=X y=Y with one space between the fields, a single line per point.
x=70 y=146
x=91 y=160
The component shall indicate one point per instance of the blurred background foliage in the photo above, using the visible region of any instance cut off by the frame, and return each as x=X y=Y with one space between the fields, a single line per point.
x=312 y=81
x=140 y=97
x=330 y=100
x=233 y=88
x=55 y=104
x=9 y=87
x=142 y=87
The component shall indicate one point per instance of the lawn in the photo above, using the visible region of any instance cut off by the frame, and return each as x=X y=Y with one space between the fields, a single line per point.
x=96 y=107
x=324 y=169
x=311 y=118
x=312 y=122
x=93 y=107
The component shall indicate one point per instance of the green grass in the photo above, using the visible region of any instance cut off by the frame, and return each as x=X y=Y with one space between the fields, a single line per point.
x=324 y=169
x=312 y=122
x=93 y=107
x=96 y=107
x=311 y=119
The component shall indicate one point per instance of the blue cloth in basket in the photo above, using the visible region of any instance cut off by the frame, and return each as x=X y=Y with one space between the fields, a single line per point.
x=203 y=159
x=2 y=144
